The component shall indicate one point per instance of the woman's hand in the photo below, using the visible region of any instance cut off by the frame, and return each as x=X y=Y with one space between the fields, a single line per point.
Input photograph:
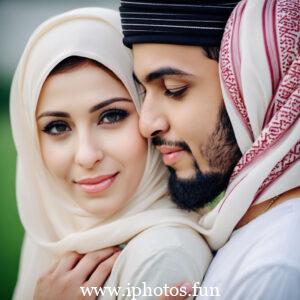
x=64 y=279
x=180 y=291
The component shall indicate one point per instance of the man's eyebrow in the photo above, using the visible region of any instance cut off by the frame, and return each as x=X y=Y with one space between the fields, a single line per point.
x=107 y=102
x=165 y=71
x=54 y=114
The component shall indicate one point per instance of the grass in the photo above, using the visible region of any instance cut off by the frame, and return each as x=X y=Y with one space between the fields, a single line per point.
x=11 y=231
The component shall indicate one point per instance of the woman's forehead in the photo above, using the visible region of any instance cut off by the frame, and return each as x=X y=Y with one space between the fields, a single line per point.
x=84 y=87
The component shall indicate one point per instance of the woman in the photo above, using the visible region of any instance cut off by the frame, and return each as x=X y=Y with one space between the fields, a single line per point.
x=86 y=179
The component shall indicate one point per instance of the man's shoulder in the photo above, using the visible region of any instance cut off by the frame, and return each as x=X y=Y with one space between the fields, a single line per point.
x=263 y=249
x=272 y=237
x=274 y=233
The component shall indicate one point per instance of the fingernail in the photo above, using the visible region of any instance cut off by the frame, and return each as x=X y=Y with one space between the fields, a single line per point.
x=187 y=286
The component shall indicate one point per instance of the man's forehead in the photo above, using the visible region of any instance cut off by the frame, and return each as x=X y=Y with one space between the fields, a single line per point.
x=156 y=49
x=153 y=57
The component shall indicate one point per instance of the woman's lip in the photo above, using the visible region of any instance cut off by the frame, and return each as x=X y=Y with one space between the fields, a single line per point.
x=95 y=180
x=101 y=185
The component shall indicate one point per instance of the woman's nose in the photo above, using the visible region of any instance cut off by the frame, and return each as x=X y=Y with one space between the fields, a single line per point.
x=88 y=153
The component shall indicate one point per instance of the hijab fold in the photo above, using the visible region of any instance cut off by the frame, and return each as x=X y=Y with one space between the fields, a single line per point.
x=53 y=222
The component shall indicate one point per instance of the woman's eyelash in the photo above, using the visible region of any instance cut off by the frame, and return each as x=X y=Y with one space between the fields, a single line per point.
x=176 y=92
x=112 y=116
x=56 y=128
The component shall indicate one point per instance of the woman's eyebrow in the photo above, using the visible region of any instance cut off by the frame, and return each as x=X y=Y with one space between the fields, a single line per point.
x=62 y=114
x=54 y=114
x=107 y=102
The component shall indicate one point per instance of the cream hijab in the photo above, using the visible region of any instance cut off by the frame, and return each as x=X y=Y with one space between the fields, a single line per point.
x=53 y=222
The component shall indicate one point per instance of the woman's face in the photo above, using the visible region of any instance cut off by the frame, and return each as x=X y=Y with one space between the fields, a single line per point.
x=89 y=138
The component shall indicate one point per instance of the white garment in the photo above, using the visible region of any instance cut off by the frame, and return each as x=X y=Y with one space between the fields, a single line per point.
x=159 y=256
x=262 y=259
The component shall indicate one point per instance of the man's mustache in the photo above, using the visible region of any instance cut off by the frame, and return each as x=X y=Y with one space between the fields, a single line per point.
x=158 y=141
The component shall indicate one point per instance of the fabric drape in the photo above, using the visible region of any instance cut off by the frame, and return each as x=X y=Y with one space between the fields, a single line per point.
x=260 y=78
x=53 y=222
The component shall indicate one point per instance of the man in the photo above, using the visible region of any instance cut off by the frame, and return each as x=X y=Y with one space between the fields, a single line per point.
x=238 y=134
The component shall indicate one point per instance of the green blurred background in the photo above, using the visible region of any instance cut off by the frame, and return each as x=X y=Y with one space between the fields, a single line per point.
x=17 y=21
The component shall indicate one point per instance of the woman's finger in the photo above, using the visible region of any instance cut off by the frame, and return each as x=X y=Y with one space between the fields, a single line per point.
x=91 y=260
x=51 y=269
x=67 y=262
x=100 y=275
x=178 y=292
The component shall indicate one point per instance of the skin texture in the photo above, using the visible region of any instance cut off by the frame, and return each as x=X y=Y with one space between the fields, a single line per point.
x=190 y=117
x=88 y=144
x=182 y=292
x=177 y=108
x=183 y=108
x=74 y=270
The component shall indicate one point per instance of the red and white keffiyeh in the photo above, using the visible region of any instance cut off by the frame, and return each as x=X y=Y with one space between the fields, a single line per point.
x=260 y=78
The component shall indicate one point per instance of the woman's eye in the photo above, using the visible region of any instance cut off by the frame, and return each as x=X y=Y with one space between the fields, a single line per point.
x=57 y=128
x=175 y=92
x=112 y=116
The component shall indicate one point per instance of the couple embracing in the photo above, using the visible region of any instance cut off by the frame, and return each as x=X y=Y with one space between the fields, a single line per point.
x=210 y=89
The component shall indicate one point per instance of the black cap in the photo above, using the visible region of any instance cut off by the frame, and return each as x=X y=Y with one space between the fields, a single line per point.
x=183 y=22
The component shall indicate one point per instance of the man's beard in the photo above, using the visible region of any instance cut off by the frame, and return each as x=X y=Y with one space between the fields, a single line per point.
x=221 y=152
x=196 y=192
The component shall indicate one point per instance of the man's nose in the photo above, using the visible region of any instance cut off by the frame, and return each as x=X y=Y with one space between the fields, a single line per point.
x=88 y=153
x=153 y=121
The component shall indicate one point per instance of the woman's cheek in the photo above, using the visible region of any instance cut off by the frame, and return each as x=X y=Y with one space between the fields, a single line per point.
x=128 y=146
x=137 y=145
x=56 y=157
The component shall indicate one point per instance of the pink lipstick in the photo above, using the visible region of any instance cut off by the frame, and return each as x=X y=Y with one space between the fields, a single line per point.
x=97 y=184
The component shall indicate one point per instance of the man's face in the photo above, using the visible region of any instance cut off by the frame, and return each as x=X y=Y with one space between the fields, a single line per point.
x=183 y=111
